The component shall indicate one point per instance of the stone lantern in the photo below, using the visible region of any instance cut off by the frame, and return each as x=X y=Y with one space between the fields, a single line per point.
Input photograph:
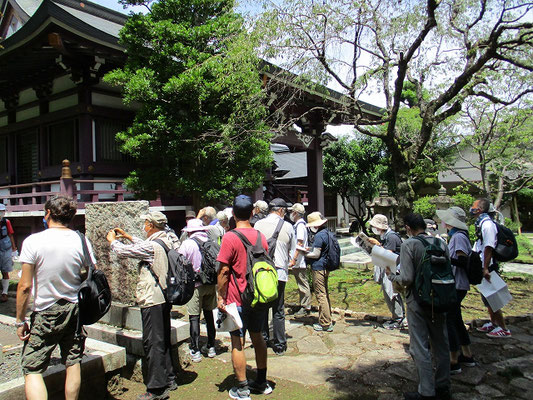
x=442 y=201
x=384 y=204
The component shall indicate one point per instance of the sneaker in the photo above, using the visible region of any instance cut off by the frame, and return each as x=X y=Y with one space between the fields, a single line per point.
x=196 y=356
x=487 y=327
x=153 y=396
x=393 y=324
x=467 y=361
x=455 y=369
x=208 y=351
x=280 y=352
x=302 y=312
x=259 y=388
x=3 y=298
x=320 y=328
x=499 y=332
x=239 y=393
x=172 y=386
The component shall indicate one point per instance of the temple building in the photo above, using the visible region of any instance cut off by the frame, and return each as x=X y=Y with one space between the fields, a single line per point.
x=54 y=107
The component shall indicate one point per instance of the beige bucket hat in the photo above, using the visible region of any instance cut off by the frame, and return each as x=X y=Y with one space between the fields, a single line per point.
x=379 y=221
x=315 y=219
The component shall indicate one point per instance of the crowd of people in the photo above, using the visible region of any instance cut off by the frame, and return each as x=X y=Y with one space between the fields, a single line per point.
x=53 y=263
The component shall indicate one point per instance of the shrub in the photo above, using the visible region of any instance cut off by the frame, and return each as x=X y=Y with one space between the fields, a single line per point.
x=425 y=207
x=463 y=200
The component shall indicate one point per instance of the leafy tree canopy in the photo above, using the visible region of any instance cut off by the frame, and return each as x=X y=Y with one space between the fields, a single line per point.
x=356 y=167
x=192 y=69
x=495 y=141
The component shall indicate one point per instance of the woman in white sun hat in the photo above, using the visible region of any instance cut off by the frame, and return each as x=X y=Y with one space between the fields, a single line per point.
x=460 y=248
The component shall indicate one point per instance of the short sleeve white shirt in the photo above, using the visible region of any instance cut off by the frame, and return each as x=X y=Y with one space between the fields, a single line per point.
x=489 y=233
x=285 y=245
x=57 y=255
x=301 y=234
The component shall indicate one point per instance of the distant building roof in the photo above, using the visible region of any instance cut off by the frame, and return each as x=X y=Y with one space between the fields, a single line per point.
x=294 y=163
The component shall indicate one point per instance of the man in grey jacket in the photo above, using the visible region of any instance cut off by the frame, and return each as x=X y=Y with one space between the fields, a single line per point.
x=427 y=330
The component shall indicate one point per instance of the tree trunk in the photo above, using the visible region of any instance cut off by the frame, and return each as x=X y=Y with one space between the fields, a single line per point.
x=516 y=215
x=405 y=193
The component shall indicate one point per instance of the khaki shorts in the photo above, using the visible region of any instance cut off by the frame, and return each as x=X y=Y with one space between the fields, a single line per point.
x=51 y=327
x=204 y=298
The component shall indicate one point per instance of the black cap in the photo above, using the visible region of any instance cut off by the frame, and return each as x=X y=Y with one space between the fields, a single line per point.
x=278 y=202
x=243 y=206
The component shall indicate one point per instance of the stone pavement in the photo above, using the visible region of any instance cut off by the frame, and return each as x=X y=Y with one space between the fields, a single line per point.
x=360 y=359
x=518 y=268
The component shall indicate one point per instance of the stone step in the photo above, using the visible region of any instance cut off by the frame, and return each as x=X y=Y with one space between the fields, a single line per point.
x=99 y=359
x=131 y=340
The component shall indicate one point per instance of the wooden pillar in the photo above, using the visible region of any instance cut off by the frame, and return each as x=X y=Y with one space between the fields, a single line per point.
x=315 y=177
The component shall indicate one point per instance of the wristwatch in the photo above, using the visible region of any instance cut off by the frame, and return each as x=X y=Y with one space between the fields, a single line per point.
x=19 y=324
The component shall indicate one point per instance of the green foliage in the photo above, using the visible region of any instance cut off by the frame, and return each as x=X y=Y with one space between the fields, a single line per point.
x=463 y=200
x=192 y=68
x=512 y=225
x=525 y=194
x=425 y=207
x=525 y=250
x=356 y=167
x=497 y=142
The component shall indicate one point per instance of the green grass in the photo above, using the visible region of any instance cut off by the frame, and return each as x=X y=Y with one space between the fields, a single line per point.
x=354 y=289
x=211 y=379
x=525 y=249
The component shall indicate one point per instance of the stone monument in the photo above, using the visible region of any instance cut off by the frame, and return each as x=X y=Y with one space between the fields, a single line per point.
x=442 y=201
x=100 y=218
x=384 y=204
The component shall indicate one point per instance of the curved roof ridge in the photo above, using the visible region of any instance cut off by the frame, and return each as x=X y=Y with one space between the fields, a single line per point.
x=94 y=9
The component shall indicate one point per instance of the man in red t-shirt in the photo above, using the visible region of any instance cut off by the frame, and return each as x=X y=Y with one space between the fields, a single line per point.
x=231 y=283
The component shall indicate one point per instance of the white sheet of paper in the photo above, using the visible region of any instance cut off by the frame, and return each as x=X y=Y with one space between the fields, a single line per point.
x=232 y=322
x=384 y=258
x=496 y=291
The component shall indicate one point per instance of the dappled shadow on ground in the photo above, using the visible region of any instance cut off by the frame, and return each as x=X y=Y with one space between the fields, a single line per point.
x=365 y=379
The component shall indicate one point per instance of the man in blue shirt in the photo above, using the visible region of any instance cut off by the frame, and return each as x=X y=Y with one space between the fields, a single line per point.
x=317 y=223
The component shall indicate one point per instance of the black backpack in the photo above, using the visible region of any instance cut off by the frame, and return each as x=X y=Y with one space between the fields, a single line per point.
x=506 y=248
x=334 y=252
x=474 y=266
x=210 y=265
x=180 y=277
x=273 y=240
x=94 y=293
x=434 y=285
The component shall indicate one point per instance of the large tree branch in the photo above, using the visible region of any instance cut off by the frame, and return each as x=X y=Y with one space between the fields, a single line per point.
x=403 y=64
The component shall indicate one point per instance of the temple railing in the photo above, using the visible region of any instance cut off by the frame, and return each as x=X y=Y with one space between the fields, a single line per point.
x=32 y=196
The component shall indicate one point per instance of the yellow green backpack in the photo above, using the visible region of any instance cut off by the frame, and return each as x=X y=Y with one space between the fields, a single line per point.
x=261 y=275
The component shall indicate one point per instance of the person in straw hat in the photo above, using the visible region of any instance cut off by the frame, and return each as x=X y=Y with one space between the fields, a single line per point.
x=390 y=240
x=460 y=248
x=317 y=223
x=204 y=297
